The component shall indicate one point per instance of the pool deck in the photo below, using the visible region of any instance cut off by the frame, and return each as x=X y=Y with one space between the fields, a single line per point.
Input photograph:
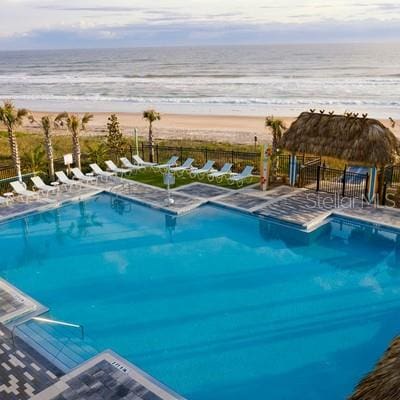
x=107 y=376
x=16 y=306
x=301 y=208
x=26 y=374
x=23 y=371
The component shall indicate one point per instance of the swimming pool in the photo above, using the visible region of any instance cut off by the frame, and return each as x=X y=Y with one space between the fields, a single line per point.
x=215 y=304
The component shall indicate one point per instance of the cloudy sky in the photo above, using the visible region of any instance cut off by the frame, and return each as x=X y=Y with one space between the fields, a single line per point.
x=119 y=23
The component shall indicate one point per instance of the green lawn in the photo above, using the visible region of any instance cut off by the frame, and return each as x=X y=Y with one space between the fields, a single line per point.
x=156 y=179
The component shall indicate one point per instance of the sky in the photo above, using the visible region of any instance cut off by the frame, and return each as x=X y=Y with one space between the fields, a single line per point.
x=42 y=24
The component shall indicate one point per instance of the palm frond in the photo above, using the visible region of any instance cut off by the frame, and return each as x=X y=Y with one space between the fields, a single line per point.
x=86 y=119
x=151 y=115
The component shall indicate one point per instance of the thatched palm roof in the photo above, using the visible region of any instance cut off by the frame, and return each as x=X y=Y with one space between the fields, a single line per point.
x=383 y=383
x=347 y=137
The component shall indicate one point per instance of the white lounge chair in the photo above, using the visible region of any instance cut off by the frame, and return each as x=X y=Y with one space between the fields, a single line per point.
x=139 y=161
x=169 y=164
x=78 y=174
x=65 y=181
x=113 y=168
x=21 y=191
x=239 y=179
x=99 y=172
x=41 y=186
x=186 y=166
x=204 y=170
x=226 y=170
x=127 y=164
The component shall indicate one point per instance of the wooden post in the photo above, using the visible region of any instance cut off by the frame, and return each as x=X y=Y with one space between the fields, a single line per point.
x=380 y=185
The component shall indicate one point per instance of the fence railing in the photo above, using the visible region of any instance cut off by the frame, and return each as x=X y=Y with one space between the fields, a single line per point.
x=342 y=182
x=7 y=171
x=392 y=175
x=239 y=159
x=5 y=181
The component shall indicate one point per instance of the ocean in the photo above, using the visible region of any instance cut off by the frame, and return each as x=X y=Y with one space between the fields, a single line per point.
x=237 y=80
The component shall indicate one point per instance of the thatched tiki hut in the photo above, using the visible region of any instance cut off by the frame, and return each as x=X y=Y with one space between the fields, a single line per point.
x=347 y=137
x=383 y=383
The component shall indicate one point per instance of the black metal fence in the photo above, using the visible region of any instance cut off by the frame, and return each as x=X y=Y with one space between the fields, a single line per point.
x=239 y=159
x=7 y=171
x=392 y=175
x=341 y=182
x=5 y=182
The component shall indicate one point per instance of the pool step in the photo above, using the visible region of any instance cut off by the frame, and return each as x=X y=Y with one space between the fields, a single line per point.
x=60 y=345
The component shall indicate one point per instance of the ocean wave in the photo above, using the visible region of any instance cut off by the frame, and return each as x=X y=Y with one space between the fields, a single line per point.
x=204 y=80
x=206 y=100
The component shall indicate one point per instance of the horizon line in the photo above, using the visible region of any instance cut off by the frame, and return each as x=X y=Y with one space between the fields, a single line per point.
x=277 y=44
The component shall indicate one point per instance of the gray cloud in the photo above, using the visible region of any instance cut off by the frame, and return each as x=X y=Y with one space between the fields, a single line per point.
x=197 y=33
x=102 y=9
x=388 y=6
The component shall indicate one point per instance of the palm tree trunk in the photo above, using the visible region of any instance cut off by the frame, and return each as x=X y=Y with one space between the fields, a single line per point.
x=274 y=150
x=151 y=142
x=50 y=157
x=274 y=141
x=15 y=153
x=76 y=150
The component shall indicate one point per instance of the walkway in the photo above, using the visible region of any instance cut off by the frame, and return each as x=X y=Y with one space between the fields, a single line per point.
x=23 y=371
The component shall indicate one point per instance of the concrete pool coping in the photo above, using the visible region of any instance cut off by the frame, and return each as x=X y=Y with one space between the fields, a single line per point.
x=124 y=374
x=29 y=307
x=262 y=204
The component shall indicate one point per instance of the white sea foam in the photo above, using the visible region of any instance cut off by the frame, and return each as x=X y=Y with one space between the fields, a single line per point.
x=206 y=100
x=359 y=78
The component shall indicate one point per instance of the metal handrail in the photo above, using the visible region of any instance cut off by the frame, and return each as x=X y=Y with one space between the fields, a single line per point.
x=56 y=322
x=49 y=321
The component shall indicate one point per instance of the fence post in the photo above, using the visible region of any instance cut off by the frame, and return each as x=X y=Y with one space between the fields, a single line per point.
x=344 y=182
x=157 y=155
x=181 y=154
x=318 y=176
x=323 y=169
x=206 y=154
x=367 y=178
x=143 y=150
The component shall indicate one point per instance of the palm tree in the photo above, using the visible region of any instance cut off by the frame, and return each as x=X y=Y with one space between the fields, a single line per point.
x=12 y=118
x=151 y=116
x=277 y=126
x=75 y=125
x=46 y=124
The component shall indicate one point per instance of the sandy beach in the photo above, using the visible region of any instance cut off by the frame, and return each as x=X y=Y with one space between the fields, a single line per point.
x=232 y=129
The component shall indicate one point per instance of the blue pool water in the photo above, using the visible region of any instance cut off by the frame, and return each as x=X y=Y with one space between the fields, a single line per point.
x=215 y=304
